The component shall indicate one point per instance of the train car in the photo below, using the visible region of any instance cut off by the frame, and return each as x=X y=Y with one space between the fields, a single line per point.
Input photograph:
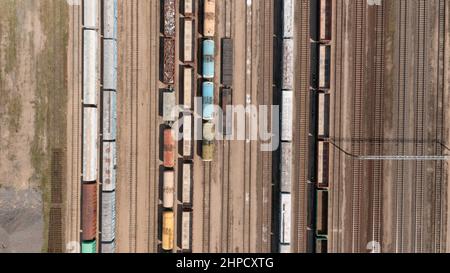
x=186 y=231
x=169 y=148
x=168 y=230
x=188 y=87
x=108 y=216
x=208 y=100
x=108 y=247
x=227 y=62
x=310 y=240
x=109 y=64
x=310 y=204
x=286 y=115
x=314 y=67
x=89 y=247
x=324 y=116
x=89 y=212
x=323 y=164
x=321 y=245
x=286 y=167
x=285 y=248
x=188 y=8
x=288 y=65
x=109 y=115
x=288 y=19
x=187 y=185
x=90 y=14
x=169 y=18
x=90 y=144
x=169 y=189
x=208 y=59
x=110 y=19
x=285 y=218
x=169 y=61
x=322 y=213
x=90 y=66
x=109 y=166
x=324 y=67
x=187 y=136
x=325 y=20
x=169 y=101
x=209 y=23
x=227 y=120
x=207 y=150
x=188 y=40
x=209 y=131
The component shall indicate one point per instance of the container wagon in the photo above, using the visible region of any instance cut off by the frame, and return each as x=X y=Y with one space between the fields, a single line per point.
x=169 y=18
x=90 y=14
x=286 y=115
x=169 y=61
x=285 y=218
x=187 y=136
x=321 y=245
x=209 y=22
x=109 y=247
x=187 y=185
x=288 y=19
x=90 y=66
x=188 y=86
x=209 y=131
x=188 y=40
x=324 y=67
x=89 y=247
x=89 y=212
x=169 y=189
x=188 y=8
x=227 y=119
x=169 y=101
x=322 y=213
x=207 y=150
x=286 y=167
x=109 y=166
x=109 y=64
x=186 y=230
x=169 y=148
x=322 y=164
x=109 y=115
x=208 y=59
x=208 y=100
x=324 y=116
x=325 y=20
x=90 y=144
x=227 y=62
x=288 y=64
x=168 y=230
x=108 y=216
x=109 y=19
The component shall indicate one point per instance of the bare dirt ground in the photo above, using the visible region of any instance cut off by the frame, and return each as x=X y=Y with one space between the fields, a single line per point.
x=398 y=206
x=32 y=117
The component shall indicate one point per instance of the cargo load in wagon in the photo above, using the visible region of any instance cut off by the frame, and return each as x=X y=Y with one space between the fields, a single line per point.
x=227 y=120
x=169 y=18
x=209 y=15
x=169 y=61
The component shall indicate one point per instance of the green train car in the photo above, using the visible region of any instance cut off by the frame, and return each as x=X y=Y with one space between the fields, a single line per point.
x=89 y=247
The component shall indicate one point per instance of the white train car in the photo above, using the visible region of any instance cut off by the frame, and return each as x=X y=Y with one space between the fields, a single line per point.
x=108 y=247
x=109 y=64
x=285 y=248
x=169 y=189
x=286 y=115
x=187 y=185
x=188 y=86
x=288 y=64
x=187 y=136
x=110 y=19
x=285 y=218
x=188 y=40
x=90 y=14
x=324 y=66
x=109 y=166
x=90 y=144
x=323 y=164
x=288 y=18
x=324 y=116
x=186 y=230
x=286 y=167
x=108 y=216
x=109 y=115
x=90 y=67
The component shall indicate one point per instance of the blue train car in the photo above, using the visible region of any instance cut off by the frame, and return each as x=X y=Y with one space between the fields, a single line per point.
x=208 y=100
x=208 y=59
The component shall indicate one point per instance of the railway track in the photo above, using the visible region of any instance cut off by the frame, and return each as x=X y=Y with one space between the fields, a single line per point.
x=401 y=114
x=357 y=130
x=302 y=125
